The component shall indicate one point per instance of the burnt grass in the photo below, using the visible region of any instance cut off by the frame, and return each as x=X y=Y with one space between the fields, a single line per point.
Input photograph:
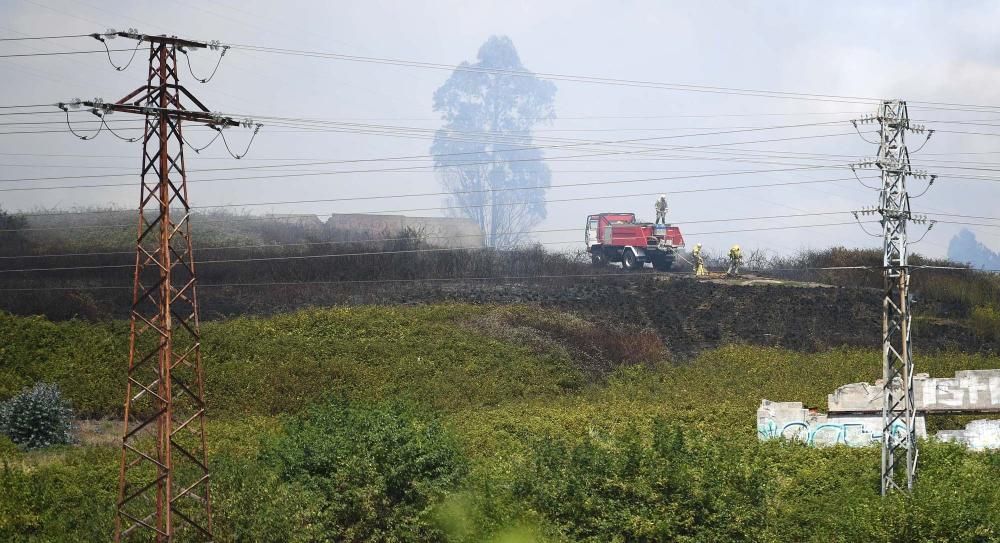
x=687 y=315
x=315 y=265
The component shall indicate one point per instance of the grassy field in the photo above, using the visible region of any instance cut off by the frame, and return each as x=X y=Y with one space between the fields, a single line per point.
x=487 y=423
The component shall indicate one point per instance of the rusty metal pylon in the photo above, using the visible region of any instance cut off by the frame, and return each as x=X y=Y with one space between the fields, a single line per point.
x=163 y=490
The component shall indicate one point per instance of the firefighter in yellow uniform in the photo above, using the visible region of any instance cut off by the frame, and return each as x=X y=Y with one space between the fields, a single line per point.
x=699 y=262
x=735 y=261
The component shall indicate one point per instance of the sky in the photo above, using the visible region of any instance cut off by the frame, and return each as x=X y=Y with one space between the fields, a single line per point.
x=917 y=51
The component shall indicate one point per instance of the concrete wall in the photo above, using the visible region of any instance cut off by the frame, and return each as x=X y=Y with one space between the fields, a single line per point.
x=977 y=435
x=855 y=412
x=970 y=391
x=789 y=420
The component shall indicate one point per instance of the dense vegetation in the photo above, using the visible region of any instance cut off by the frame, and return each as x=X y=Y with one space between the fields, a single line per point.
x=953 y=292
x=232 y=248
x=486 y=423
x=341 y=265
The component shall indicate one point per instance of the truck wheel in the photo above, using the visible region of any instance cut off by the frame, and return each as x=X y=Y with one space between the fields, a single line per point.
x=663 y=263
x=598 y=259
x=630 y=261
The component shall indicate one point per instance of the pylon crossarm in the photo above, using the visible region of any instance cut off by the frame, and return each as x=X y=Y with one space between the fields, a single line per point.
x=191 y=97
x=177 y=113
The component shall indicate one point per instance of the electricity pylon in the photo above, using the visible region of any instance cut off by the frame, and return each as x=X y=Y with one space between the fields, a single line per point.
x=899 y=442
x=163 y=488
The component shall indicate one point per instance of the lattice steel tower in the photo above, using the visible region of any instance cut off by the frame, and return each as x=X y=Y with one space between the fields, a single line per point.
x=899 y=443
x=163 y=491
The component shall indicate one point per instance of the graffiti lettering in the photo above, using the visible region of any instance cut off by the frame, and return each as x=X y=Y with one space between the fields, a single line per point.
x=852 y=434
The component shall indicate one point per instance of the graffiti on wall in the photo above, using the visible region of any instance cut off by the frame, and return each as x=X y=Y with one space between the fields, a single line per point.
x=855 y=412
x=852 y=434
x=793 y=422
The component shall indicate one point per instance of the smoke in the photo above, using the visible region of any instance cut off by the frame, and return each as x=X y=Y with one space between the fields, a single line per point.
x=965 y=248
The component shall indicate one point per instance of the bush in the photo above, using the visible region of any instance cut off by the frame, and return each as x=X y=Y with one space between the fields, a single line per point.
x=678 y=487
x=985 y=321
x=37 y=417
x=374 y=474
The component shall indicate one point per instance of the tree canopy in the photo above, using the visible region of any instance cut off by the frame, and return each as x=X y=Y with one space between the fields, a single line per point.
x=484 y=153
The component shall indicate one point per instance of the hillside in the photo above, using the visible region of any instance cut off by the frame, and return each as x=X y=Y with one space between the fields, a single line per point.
x=688 y=315
x=506 y=423
x=398 y=390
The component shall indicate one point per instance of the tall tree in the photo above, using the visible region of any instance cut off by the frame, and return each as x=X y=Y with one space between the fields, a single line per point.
x=485 y=147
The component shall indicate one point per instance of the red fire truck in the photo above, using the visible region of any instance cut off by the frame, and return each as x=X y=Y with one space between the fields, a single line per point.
x=617 y=237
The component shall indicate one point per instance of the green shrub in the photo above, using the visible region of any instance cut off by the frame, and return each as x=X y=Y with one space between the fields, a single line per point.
x=623 y=488
x=37 y=417
x=374 y=474
x=985 y=321
x=56 y=497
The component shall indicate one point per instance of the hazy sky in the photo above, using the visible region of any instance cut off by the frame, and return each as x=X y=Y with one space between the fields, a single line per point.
x=920 y=51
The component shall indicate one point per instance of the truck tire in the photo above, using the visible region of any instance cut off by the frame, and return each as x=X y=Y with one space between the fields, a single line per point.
x=598 y=259
x=663 y=263
x=629 y=260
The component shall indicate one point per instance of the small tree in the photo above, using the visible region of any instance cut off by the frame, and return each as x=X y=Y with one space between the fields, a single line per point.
x=37 y=417
x=11 y=240
x=484 y=151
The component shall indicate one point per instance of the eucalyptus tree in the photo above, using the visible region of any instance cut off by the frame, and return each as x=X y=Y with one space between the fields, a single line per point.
x=484 y=153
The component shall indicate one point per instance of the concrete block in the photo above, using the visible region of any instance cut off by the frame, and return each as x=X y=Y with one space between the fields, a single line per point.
x=972 y=391
x=978 y=435
x=789 y=420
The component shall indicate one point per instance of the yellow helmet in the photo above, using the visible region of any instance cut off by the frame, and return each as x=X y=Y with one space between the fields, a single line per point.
x=735 y=248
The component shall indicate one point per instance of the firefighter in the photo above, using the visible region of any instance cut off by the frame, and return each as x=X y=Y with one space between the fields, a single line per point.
x=735 y=261
x=699 y=261
x=661 y=209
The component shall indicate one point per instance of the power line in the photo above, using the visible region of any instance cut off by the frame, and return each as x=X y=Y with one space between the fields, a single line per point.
x=574 y=143
x=46 y=37
x=449 y=193
x=562 y=77
x=500 y=204
x=297 y=174
x=56 y=53
x=25 y=105
x=417 y=168
x=406 y=251
x=627 y=151
x=571 y=145
x=760 y=93
x=612 y=81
